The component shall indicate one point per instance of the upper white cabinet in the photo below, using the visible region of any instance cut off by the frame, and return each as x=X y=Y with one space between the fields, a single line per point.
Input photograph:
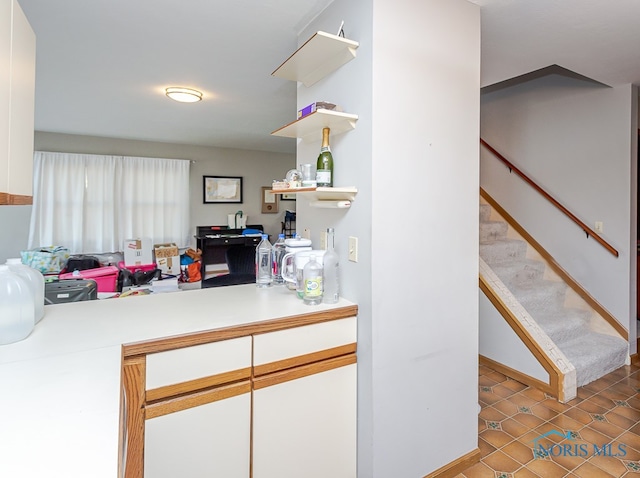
x=322 y=54
x=17 y=99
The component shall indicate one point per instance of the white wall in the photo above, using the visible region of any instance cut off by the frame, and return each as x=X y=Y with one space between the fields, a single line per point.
x=577 y=140
x=499 y=342
x=14 y=232
x=414 y=158
x=256 y=167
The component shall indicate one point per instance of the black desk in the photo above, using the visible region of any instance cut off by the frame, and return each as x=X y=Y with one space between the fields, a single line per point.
x=214 y=241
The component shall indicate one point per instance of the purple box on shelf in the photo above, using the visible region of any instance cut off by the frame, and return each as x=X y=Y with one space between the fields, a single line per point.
x=318 y=105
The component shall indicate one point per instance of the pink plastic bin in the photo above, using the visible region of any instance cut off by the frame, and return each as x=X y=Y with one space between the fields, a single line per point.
x=106 y=277
x=138 y=267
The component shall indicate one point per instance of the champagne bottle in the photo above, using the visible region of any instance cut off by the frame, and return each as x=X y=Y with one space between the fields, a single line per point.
x=324 y=165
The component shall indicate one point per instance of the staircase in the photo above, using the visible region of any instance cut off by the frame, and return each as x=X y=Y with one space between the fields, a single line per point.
x=585 y=338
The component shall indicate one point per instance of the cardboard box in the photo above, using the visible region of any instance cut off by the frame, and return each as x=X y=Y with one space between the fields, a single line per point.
x=138 y=251
x=167 y=258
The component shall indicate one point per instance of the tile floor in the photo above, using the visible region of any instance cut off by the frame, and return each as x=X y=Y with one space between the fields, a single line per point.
x=514 y=418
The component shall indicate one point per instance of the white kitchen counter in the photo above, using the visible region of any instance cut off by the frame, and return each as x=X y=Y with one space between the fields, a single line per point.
x=60 y=387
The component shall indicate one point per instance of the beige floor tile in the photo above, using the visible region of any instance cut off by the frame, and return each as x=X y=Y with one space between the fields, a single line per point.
x=500 y=461
x=606 y=428
x=514 y=428
x=492 y=414
x=543 y=412
x=579 y=415
x=496 y=438
x=547 y=469
x=506 y=407
x=630 y=439
x=606 y=411
x=518 y=451
x=611 y=465
x=588 y=470
x=479 y=470
x=525 y=473
x=485 y=447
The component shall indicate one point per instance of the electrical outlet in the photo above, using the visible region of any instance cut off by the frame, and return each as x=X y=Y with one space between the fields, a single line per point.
x=323 y=240
x=353 y=249
x=306 y=233
x=599 y=226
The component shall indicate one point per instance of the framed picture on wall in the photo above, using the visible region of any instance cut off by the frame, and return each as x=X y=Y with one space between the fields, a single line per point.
x=221 y=189
x=269 y=201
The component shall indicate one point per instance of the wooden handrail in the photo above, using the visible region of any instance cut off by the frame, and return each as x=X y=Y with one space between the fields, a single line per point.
x=587 y=230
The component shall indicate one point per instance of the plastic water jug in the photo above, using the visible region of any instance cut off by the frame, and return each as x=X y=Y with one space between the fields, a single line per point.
x=35 y=280
x=17 y=310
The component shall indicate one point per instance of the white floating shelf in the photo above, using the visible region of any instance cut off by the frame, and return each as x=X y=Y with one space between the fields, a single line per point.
x=334 y=198
x=331 y=204
x=320 y=55
x=309 y=127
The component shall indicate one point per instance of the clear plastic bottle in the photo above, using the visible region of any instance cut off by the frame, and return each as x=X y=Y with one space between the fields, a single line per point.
x=279 y=250
x=312 y=280
x=17 y=312
x=264 y=263
x=330 y=283
x=35 y=280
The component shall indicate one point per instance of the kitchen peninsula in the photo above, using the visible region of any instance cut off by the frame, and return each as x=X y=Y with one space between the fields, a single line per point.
x=219 y=380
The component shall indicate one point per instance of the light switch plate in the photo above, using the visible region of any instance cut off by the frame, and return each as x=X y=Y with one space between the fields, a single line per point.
x=323 y=240
x=353 y=249
x=306 y=233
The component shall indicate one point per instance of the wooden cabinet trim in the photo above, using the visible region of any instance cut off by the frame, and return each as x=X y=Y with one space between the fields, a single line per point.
x=191 y=386
x=273 y=325
x=7 y=199
x=131 y=459
x=185 y=402
x=303 y=371
x=305 y=359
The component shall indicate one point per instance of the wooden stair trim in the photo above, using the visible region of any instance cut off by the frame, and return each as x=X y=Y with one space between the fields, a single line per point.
x=556 y=377
x=557 y=268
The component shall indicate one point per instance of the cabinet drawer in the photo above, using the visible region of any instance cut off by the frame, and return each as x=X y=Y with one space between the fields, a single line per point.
x=192 y=363
x=317 y=341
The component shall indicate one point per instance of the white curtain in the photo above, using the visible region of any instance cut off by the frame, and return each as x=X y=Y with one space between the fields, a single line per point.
x=91 y=203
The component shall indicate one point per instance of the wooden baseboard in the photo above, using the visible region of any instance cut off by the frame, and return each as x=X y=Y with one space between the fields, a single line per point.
x=516 y=375
x=457 y=466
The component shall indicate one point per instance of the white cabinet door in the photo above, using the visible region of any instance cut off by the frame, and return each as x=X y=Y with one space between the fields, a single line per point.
x=198 y=419
x=23 y=77
x=198 y=361
x=306 y=427
x=211 y=440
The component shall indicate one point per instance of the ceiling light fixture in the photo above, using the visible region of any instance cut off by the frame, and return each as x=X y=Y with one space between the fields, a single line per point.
x=184 y=95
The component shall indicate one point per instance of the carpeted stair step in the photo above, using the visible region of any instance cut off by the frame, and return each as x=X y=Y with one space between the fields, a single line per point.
x=594 y=355
x=521 y=272
x=485 y=212
x=542 y=297
x=504 y=250
x=493 y=230
x=564 y=326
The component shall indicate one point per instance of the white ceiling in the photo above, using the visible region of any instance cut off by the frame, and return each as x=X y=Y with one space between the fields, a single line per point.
x=102 y=65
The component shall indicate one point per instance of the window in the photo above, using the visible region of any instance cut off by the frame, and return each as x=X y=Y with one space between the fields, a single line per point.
x=90 y=203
